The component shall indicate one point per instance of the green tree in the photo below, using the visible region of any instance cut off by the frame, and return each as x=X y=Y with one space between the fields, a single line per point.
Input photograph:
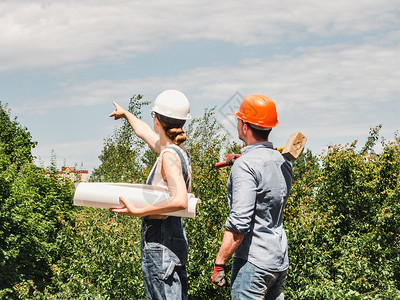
x=33 y=202
x=342 y=223
x=206 y=142
x=101 y=258
x=123 y=152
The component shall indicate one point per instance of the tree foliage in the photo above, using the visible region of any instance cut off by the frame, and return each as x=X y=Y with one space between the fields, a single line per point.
x=123 y=152
x=343 y=224
x=205 y=144
x=33 y=201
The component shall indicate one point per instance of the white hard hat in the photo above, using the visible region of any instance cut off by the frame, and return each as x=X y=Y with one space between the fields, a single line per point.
x=172 y=104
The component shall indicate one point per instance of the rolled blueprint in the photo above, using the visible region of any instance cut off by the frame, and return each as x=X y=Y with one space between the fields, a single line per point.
x=106 y=195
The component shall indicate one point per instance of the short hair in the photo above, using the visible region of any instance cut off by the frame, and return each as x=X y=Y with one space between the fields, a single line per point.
x=259 y=134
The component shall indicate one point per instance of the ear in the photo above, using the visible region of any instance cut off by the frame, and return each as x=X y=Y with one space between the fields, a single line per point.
x=156 y=125
x=245 y=127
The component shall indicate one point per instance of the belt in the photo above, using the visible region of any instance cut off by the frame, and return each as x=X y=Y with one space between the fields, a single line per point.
x=156 y=217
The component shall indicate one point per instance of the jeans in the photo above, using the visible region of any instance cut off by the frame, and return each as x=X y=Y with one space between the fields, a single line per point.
x=164 y=255
x=250 y=282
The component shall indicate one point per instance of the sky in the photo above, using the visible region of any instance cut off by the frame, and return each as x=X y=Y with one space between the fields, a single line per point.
x=332 y=67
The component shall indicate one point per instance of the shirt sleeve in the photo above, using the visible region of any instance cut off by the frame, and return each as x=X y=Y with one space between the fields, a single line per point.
x=242 y=198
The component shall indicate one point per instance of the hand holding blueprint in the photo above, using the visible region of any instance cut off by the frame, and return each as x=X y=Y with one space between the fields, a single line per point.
x=106 y=195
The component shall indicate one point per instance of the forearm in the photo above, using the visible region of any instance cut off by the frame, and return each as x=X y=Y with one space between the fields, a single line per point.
x=230 y=243
x=166 y=206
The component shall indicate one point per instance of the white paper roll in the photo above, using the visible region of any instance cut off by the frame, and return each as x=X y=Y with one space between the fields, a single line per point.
x=106 y=195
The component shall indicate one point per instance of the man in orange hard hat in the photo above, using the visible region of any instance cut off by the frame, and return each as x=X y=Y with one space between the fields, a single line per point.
x=258 y=188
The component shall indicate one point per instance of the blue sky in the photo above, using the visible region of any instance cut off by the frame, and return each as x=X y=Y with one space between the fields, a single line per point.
x=332 y=67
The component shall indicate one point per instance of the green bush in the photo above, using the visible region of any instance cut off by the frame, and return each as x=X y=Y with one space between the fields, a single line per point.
x=101 y=258
x=33 y=204
x=342 y=220
x=205 y=144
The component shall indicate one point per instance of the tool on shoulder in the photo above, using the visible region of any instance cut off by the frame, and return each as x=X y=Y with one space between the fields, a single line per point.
x=230 y=159
x=290 y=151
x=294 y=146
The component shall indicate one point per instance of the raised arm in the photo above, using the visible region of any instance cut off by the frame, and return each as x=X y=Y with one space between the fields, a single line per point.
x=141 y=129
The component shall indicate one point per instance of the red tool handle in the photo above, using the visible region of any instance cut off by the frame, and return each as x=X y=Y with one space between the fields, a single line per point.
x=220 y=164
x=230 y=159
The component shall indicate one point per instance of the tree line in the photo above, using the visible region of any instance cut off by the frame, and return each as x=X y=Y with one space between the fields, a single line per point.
x=342 y=219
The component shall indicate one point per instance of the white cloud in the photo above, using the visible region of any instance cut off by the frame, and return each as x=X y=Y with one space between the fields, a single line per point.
x=48 y=33
x=338 y=79
x=338 y=91
x=337 y=75
x=70 y=153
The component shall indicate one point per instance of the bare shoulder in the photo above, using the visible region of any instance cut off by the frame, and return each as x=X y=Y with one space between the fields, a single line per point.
x=170 y=161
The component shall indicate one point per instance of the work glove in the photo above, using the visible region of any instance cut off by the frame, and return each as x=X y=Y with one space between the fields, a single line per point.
x=218 y=277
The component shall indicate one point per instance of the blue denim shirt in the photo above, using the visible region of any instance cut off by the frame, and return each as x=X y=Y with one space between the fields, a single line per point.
x=258 y=188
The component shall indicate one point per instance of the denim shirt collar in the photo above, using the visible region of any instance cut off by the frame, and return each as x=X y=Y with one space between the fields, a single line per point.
x=256 y=146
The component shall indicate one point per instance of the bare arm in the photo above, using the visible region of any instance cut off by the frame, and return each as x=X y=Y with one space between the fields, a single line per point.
x=176 y=186
x=141 y=129
x=230 y=243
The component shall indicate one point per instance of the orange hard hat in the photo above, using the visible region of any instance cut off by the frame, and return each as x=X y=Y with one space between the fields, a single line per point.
x=258 y=110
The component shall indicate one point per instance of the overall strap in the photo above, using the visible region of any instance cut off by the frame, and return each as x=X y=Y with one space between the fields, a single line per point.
x=151 y=177
x=185 y=171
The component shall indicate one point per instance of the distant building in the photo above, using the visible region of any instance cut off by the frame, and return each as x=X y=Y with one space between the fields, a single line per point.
x=74 y=175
